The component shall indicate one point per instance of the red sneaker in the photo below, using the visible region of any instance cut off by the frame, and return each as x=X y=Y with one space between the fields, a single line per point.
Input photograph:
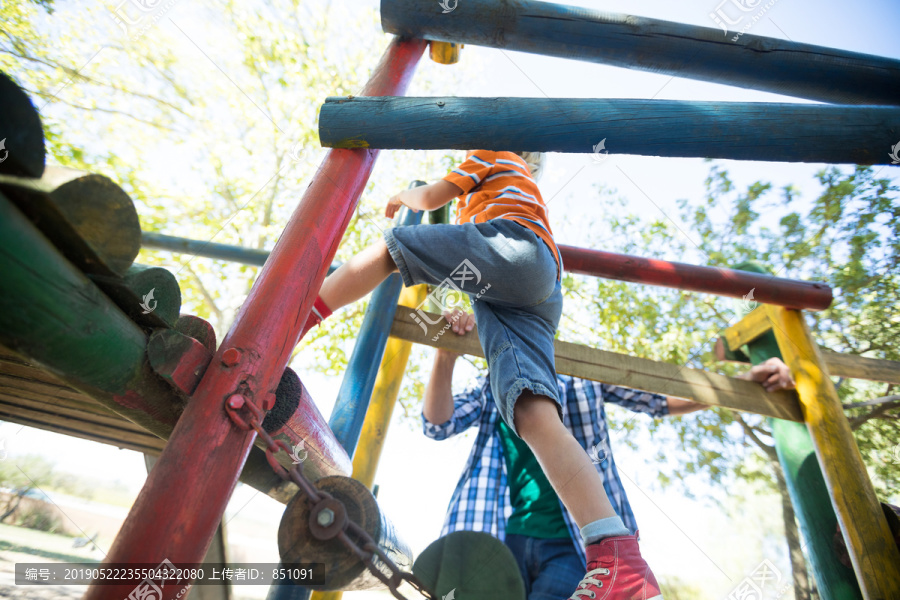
x=616 y=571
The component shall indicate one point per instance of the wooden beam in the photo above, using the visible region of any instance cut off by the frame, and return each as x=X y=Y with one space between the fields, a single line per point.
x=619 y=369
x=754 y=324
x=664 y=47
x=861 y=367
x=729 y=130
x=733 y=283
x=150 y=296
x=20 y=380
x=850 y=366
x=870 y=544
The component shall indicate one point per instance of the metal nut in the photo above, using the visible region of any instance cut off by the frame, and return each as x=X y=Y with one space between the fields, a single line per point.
x=325 y=517
x=231 y=357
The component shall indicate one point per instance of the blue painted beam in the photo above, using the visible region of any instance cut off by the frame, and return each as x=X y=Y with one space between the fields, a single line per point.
x=356 y=389
x=226 y=252
x=732 y=130
x=712 y=54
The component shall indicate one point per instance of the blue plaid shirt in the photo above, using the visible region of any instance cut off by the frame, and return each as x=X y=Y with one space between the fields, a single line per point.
x=481 y=499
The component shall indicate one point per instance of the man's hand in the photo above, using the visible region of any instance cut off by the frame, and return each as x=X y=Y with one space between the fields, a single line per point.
x=773 y=375
x=461 y=323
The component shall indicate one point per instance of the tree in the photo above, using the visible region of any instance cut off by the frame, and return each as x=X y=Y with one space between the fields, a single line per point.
x=207 y=116
x=849 y=237
x=22 y=476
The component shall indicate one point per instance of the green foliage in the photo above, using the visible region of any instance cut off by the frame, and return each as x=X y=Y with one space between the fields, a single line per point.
x=208 y=119
x=38 y=516
x=675 y=588
x=848 y=236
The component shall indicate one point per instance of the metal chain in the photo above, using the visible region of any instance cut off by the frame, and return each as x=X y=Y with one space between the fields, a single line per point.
x=369 y=550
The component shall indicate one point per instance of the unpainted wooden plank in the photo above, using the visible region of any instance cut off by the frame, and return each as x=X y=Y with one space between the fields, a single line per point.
x=620 y=369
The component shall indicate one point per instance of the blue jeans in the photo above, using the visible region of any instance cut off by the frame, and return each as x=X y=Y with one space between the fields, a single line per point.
x=552 y=569
x=512 y=278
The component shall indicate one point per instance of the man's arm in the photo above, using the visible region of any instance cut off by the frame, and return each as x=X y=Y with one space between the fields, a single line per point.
x=425 y=197
x=438 y=405
x=773 y=375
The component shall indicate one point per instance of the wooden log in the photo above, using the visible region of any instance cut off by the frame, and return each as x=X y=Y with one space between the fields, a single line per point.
x=664 y=47
x=89 y=218
x=619 y=369
x=22 y=145
x=343 y=570
x=792 y=293
x=471 y=565
x=150 y=296
x=869 y=540
x=295 y=419
x=199 y=329
x=227 y=252
x=177 y=358
x=57 y=318
x=735 y=130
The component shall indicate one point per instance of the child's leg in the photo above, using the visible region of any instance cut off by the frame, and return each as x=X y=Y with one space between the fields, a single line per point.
x=564 y=462
x=358 y=276
x=350 y=282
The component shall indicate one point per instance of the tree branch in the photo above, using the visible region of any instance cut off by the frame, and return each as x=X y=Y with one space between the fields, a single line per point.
x=766 y=448
x=879 y=412
x=207 y=297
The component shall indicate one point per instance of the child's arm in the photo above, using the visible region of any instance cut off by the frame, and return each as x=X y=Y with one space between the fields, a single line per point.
x=426 y=197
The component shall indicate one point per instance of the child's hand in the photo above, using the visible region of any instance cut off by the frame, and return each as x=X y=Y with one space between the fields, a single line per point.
x=394 y=205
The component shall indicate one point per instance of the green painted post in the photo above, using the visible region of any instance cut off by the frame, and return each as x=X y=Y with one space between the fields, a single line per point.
x=806 y=485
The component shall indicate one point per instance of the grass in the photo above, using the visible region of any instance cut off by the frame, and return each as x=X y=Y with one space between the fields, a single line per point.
x=41 y=544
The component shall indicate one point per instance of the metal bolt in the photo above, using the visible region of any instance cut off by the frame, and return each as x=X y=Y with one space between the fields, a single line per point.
x=236 y=401
x=231 y=357
x=440 y=103
x=325 y=517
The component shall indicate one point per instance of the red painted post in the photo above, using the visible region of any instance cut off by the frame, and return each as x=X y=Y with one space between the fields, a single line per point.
x=185 y=495
x=766 y=289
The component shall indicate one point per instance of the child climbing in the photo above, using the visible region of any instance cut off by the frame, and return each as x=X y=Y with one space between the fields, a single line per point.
x=503 y=238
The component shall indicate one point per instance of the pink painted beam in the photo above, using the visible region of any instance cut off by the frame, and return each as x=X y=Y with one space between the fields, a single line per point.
x=180 y=506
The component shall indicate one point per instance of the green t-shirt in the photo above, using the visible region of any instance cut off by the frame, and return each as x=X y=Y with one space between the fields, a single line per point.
x=536 y=509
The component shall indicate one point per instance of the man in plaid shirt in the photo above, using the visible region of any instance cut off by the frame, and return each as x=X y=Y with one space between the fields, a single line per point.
x=503 y=490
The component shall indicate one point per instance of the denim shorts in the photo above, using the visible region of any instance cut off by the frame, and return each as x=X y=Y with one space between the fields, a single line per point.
x=551 y=568
x=512 y=279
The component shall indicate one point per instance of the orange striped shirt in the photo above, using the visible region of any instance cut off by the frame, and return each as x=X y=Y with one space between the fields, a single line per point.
x=498 y=185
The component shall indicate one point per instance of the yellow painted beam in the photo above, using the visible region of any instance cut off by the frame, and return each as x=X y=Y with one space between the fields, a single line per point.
x=445 y=53
x=843 y=365
x=381 y=408
x=872 y=550
x=754 y=324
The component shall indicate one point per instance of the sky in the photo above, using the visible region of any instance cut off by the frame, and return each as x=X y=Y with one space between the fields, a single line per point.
x=694 y=539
